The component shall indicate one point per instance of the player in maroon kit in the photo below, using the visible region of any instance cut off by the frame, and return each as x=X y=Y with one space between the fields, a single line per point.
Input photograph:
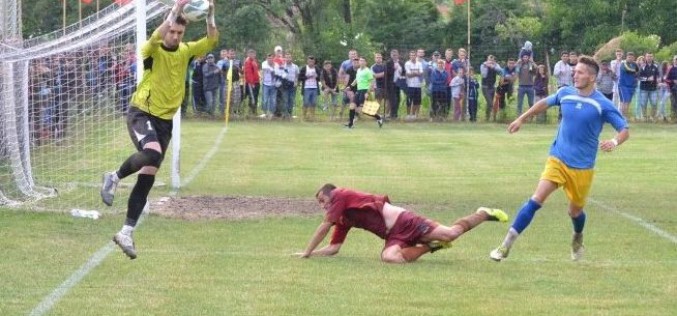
x=407 y=235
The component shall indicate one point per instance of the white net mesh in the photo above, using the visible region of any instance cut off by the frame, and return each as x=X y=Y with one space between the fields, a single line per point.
x=62 y=102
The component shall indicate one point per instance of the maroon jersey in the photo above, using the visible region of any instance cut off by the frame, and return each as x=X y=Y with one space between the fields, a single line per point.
x=351 y=208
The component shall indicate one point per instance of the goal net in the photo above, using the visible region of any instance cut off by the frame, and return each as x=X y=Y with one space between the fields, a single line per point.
x=63 y=97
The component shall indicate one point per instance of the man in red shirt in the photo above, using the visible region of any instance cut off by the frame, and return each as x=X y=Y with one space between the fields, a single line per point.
x=252 y=80
x=407 y=235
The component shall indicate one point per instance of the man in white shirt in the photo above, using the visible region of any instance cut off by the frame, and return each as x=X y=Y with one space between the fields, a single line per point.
x=414 y=72
x=615 y=66
x=563 y=71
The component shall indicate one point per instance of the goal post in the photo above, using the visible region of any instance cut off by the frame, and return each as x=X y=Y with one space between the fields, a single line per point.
x=63 y=98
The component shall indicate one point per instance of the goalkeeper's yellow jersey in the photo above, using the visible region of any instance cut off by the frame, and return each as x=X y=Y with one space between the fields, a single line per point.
x=162 y=87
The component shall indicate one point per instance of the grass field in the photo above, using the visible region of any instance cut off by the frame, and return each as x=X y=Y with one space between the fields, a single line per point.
x=447 y=170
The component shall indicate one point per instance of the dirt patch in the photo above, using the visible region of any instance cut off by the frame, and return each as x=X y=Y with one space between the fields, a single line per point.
x=233 y=207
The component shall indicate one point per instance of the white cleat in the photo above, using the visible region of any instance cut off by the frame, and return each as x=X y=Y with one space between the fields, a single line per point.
x=126 y=243
x=499 y=253
x=577 y=247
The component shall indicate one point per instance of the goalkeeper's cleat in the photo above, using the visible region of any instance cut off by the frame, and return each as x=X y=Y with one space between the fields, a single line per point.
x=126 y=243
x=380 y=122
x=108 y=187
x=496 y=215
x=577 y=248
x=499 y=253
x=436 y=245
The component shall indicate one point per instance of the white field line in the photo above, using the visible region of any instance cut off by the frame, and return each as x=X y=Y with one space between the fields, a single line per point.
x=100 y=255
x=48 y=301
x=638 y=221
x=203 y=162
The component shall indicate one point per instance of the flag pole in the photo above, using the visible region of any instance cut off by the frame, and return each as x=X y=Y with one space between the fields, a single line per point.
x=467 y=88
x=80 y=13
x=64 y=17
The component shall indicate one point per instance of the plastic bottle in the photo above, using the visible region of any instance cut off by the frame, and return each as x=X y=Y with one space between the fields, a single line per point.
x=85 y=214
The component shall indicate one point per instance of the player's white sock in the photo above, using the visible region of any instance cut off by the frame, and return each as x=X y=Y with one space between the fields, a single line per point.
x=127 y=230
x=115 y=177
x=510 y=238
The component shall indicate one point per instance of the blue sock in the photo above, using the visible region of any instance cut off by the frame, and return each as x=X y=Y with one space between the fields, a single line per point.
x=525 y=215
x=579 y=223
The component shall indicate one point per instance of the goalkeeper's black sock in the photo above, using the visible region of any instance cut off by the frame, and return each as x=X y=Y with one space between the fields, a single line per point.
x=138 y=198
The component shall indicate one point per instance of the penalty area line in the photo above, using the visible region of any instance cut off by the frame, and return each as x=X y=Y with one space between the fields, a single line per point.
x=637 y=220
x=203 y=162
x=94 y=261
x=50 y=300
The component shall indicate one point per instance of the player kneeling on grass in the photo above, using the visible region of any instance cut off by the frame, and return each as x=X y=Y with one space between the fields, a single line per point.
x=149 y=121
x=407 y=235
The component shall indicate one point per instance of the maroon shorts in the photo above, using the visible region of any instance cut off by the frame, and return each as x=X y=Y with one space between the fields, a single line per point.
x=408 y=230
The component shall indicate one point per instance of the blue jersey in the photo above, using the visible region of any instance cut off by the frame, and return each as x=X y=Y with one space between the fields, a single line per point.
x=577 y=139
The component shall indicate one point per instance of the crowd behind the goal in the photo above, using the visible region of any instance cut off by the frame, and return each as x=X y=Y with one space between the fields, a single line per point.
x=447 y=84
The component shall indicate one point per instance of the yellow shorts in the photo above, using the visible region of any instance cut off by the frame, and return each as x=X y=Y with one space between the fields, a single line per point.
x=576 y=182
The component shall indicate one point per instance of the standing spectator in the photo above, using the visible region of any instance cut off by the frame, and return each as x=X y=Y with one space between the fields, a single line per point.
x=606 y=80
x=414 y=73
x=563 y=72
x=270 y=83
x=457 y=90
x=627 y=82
x=671 y=80
x=41 y=77
x=330 y=91
x=510 y=74
x=649 y=79
x=252 y=80
x=420 y=57
x=347 y=64
x=231 y=70
x=663 y=92
x=396 y=83
x=448 y=61
x=541 y=82
x=279 y=62
x=439 y=88
x=199 y=100
x=308 y=76
x=379 y=69
x=212 y=78
x=615 y=66
x=473 y=94
x=489 y=70
x=364 y=82
x=573 y=60
x=638 y=108
x=526 y=70
x=223 y=60
x=66 y=77
x=432 y=64
x=289 y=79
x=462 y=62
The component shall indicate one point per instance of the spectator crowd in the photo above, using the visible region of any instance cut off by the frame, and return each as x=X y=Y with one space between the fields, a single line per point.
x=406 y=84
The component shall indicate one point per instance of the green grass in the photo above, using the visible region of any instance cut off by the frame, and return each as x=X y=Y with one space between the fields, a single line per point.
x=245 y=267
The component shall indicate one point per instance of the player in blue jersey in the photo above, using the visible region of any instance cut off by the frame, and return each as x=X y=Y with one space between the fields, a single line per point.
x=572 y=155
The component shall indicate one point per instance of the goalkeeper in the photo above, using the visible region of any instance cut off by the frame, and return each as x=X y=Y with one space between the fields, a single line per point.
x=149 y=121
x=407 y=235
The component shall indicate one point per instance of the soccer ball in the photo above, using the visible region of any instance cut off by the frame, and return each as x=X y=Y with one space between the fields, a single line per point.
x=196 y=10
